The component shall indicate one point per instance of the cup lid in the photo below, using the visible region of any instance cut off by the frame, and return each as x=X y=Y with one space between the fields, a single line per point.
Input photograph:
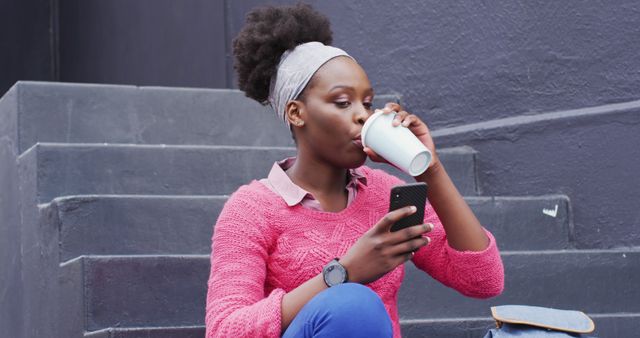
x=367 y=124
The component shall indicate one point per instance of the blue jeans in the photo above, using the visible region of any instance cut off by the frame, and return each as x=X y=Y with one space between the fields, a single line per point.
x=345 y=310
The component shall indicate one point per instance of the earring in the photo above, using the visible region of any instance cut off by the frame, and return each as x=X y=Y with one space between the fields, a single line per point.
x=299 y=123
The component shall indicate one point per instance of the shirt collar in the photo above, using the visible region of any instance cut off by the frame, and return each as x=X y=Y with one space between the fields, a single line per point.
x=294 y=194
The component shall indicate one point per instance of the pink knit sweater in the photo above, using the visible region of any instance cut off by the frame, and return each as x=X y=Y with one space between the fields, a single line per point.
x=263 y=248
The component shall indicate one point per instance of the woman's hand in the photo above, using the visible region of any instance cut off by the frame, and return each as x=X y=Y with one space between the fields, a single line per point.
x=379 y=251
x=415 y=125
x=463 y=230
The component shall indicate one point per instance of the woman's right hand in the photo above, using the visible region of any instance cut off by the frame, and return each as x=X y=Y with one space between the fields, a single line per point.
x=379 y=250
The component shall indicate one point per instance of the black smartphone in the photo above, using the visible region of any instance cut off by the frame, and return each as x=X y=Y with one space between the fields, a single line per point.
x=408 y=194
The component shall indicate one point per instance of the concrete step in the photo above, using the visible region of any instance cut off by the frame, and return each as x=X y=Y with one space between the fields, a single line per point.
x=92 y=113
x=594 y=281
x=132 y=225
x=146 y=332
x=136 y=225
x=64 y=169
x=141 y=291
x=607 y=325
x=460 y=163
x=147 y=291
x=526 y=223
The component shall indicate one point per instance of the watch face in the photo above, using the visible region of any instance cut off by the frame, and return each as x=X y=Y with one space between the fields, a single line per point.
x=334 y=275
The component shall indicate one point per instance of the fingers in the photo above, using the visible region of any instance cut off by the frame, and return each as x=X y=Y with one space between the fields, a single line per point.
x=402 y=117
x=409 y=247
x=409 y=120
x=392 y=106
x=384 y=225
x=405 y=119
x=410 y=233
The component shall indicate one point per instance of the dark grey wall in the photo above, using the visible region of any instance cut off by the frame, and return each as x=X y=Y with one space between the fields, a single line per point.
x=463 y=62
x=143 y=42
x=453 y=63
x=591 y=155
x=25 y=41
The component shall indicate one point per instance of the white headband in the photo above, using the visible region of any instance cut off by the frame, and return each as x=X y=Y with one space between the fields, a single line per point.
x=295 y=70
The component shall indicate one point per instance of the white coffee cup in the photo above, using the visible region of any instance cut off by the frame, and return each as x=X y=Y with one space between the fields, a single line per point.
x=398 y=145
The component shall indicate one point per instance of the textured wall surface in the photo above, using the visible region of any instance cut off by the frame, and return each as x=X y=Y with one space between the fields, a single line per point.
x=453 y=63
x=463 y=62
x=143 y=42
x=25 y=42
x=591 y=155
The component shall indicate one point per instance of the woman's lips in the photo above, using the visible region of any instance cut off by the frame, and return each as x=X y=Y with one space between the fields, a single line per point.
x=358 y=143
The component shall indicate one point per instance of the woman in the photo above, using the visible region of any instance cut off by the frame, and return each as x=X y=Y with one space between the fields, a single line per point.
x=307 y=251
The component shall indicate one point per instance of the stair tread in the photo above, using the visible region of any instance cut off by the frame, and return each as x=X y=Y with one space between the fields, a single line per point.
x=133 y=224
x=177 y=284
x=72 y=169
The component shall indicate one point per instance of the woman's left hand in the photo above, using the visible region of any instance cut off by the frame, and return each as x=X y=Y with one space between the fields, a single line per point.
x=415 y=125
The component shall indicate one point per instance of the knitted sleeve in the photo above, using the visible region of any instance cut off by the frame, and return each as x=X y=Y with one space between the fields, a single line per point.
x=476 y=274
x=237 y=305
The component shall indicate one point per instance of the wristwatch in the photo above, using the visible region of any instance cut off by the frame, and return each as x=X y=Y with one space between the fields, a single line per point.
x=334 y=273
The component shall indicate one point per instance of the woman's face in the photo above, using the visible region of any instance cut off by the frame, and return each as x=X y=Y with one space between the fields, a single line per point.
x=335 y=105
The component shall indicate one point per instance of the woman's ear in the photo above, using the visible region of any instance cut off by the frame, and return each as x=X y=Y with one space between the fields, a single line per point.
x=294 y=113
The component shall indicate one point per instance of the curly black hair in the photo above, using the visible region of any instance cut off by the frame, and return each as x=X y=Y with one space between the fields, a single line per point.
x=268 y=32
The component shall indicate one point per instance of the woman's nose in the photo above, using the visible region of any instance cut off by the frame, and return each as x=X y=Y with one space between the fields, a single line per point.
x=362 y=115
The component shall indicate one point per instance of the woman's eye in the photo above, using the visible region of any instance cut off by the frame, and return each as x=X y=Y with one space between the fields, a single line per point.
x=367 y=105
x=342 y=104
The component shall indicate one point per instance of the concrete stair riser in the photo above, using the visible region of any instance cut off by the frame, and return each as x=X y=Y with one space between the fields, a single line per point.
x=526 y=223
x=589 y=281
x=72 y=170
x=133 y=291
x=91 y=113
x=126 y=169
x=460 y=163
x=136 y=225
x=130 y=225
x=449 y=328
x=160 y=332
x=143 y=291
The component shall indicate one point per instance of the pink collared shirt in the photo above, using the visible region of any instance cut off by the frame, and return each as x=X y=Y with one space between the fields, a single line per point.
x=279 y=182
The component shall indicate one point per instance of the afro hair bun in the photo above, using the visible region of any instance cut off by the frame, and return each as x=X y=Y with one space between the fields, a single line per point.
x=266 y=35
